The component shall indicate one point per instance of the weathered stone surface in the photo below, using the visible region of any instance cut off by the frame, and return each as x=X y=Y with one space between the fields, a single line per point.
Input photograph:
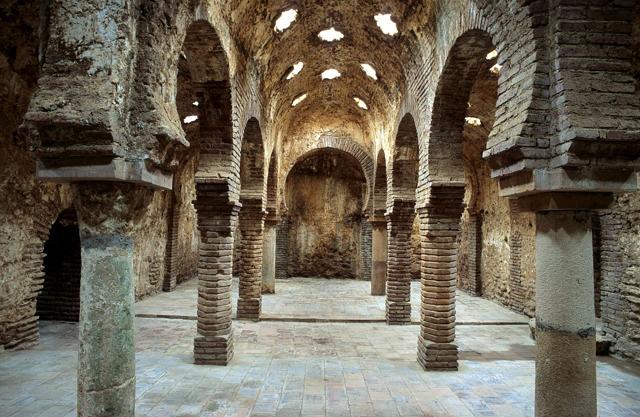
x=325 y=198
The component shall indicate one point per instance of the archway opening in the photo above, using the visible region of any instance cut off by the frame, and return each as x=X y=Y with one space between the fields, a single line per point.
x=59 y=299
x=250 y=231
x=325 y=194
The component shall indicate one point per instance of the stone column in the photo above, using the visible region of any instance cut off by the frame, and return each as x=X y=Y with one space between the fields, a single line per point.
x=439 y=231
x=107 y=216
x=378 y=254
x=565 y=315
x=399 y=226
x=251 y=227
x=217 y=219
x=269 y=255
x=565 y=310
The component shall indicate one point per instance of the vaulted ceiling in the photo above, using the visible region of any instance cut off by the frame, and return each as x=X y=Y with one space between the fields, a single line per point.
x=252 y=26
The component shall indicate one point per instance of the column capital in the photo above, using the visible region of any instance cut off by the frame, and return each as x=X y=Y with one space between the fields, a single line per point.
x=443 y=199
x=377 y=220
x=401 y=210
x=111 y=208
x=565 y=201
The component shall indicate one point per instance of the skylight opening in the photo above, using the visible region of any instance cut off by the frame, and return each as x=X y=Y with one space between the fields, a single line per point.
x=473 y=121
x=285 y=20
x=196 y=103
x=360 y=102
x=370 y=71
x=296 y=70
x=492 y=55
x=330 y=74
x=386 y=24
x=298 y=100
x=496 y=69
x=330 y=35
x=190 y=119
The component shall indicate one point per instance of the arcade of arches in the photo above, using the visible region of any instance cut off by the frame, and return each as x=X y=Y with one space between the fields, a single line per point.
x=289 y=207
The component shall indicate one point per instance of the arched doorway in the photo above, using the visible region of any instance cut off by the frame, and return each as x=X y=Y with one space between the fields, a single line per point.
x=59 y=298
x=379 y=227
x=249 y=237
x=325 y=192
x=400 y=222
x=456 y=138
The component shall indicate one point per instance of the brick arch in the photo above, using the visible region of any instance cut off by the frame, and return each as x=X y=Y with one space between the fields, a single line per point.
x=252 y=164
x=207 y=65
x=205 y=55
x=405 y=164
x=380 y=184
x=444 y=154
x=348 y=146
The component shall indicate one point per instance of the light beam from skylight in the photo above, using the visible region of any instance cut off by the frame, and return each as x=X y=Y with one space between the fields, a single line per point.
x=386 y=24
x=370 y=71
x=190 y=119
x=296 y=70
x=285 y=20
x=330 y=74
x=360 y=102
x=330 y=35
x=298 y=99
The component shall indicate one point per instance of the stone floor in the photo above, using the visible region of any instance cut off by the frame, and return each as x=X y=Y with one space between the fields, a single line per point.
x=332 y=300
x=285 y=368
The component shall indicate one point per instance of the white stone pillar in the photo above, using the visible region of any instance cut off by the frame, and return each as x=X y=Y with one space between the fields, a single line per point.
x=565 y=315
x=108 y=215
x=269 y=257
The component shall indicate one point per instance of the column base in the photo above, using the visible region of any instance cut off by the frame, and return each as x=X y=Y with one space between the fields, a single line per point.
x=437 y=356
x=398 y=313
x=213 y=350
x=565 y=373
x=249 y=308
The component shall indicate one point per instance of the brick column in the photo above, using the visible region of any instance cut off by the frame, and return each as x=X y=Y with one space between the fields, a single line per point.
x=399 y=226
x=171 y=261
x=365 y=248
x=439 y=231
x=378 y=254
x=282 y=248
x=217 y=219
x=252 y=217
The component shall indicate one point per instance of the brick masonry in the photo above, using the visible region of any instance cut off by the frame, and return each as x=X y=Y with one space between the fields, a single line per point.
x=399 y=226
x=251 y=226
x=59 y=298
x=217 y=219
x=439 y=229
x=282 y=248
x=365 y=249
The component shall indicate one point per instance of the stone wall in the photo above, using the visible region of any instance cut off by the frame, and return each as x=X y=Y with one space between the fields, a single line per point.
x=325 y=197
x=620 y=262
x=28 y=208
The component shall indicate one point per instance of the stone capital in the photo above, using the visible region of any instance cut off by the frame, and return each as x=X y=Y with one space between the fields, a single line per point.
x=567 y=201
